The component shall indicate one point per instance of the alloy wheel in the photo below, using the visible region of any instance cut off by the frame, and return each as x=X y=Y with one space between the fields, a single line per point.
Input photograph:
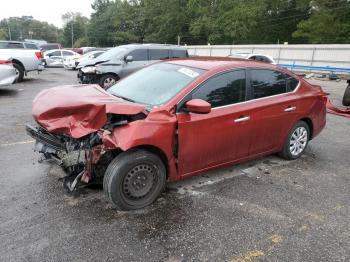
x=298 y=141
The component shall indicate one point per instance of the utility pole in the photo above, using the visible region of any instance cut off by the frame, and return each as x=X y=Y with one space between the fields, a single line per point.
x=178 y=39
x=8 y=25
x=72 y=28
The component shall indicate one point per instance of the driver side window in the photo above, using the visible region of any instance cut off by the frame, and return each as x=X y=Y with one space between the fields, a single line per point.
x=224 y=89
x=139 y=55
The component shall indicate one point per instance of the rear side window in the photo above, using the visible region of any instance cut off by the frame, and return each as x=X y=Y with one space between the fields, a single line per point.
x=158 y=54
x=66 y=53
x=31 y=46
x=224 y=89
x=179 y=53
x=267 y=82
x=292 y=83
x=55 y=53
x=15 y=45
x=139 y=55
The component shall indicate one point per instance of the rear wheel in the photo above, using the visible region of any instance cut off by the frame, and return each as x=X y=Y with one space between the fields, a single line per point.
x=19 y=72
x=134 y=179
x=296 y=142
x=346 y=97
x=108 y=80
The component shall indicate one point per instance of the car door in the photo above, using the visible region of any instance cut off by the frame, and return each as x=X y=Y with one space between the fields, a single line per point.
x=139 y=60
x=55 y=57
x=222 y=136
x=273 y=109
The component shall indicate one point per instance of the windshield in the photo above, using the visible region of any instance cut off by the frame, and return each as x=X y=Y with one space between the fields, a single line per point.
x=156 y=84
x=114 y=53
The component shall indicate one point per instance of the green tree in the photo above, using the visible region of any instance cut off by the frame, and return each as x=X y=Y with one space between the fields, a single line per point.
x=329 y=23
x=101 y=29
x=26 y=27
x=3 y=34
x=75 y=28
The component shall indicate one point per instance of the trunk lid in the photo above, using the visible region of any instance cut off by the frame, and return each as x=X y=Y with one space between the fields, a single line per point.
x=78 y=110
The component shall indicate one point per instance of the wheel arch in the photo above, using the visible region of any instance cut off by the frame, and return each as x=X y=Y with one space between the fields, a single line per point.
x=110 y=73
x=16 y=61
x=157 y=151
x=150 y=148
x=308 y=121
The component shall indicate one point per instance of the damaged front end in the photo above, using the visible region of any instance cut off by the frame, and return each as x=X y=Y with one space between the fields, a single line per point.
x=75 y=156
x=84 y=159
x=72 y=124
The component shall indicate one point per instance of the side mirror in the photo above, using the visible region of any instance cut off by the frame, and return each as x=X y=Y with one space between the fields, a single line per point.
x=198 y=106
x=129 y=58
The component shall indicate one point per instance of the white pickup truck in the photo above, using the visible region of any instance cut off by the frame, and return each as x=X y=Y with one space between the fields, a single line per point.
x=24 y=60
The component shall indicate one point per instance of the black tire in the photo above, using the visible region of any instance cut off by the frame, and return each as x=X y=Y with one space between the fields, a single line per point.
x=134 y=179
x=108 y=80
x=346 y=97
x=20 y=71
x=287 y=152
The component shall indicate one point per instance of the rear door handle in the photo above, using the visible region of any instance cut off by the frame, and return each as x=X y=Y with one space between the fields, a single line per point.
x=242 y=119
x=290 y=109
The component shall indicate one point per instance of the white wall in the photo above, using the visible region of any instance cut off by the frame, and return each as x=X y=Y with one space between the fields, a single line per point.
x=311 y=55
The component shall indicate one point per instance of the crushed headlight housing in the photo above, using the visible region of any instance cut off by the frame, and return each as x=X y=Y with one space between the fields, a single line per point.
x=89 y=69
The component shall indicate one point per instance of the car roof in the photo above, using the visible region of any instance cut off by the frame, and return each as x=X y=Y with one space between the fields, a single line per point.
x=210 y=63
x=150 y=46
x=17 y=42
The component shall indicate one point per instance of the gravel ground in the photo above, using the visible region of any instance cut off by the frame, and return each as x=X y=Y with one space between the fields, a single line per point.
x=263 y=210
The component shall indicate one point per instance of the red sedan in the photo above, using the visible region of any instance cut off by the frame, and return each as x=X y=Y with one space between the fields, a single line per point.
x=173 y=120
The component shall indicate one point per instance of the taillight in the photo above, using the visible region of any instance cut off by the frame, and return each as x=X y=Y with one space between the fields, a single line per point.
x=39 y=55
x=5 y=62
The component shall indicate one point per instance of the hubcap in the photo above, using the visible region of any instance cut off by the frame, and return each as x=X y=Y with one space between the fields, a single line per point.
x=298 y=141
x=139 y=182
x=109 y=81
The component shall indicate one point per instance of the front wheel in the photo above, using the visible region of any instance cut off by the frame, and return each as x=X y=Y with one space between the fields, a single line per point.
x=134 y=179
x=296 y=142
x=346 y=97
x=108 y=80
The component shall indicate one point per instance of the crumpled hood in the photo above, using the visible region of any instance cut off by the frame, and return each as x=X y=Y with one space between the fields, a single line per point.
x=78 y=110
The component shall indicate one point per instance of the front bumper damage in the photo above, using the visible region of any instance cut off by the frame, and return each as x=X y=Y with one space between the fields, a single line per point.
x=77 y=157
x=87 y=78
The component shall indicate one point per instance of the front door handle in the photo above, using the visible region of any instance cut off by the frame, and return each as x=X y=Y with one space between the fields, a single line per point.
x=290 y=109
x=242 y=119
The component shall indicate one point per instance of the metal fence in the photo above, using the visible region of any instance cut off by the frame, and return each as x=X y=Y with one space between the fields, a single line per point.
x=308 y=57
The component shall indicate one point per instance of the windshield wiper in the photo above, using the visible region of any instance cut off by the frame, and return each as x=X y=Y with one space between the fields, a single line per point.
x=125 y=98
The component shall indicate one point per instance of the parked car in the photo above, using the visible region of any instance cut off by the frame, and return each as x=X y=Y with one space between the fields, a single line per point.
x=255 y=57
x=121 y=61
x=8 y=74
x=24 y=60
x=73 y=63
x=173 y=120
x=50 y=46
x=18 y=45
x=56 y=57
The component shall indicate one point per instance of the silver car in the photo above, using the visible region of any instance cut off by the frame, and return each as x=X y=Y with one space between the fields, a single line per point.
x=8 y=73
x=121 y=61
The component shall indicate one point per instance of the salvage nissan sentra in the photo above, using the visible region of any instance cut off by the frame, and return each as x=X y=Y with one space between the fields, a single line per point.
x=173 y=120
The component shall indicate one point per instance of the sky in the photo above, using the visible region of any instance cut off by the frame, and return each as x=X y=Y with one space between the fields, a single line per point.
x=50 y=11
